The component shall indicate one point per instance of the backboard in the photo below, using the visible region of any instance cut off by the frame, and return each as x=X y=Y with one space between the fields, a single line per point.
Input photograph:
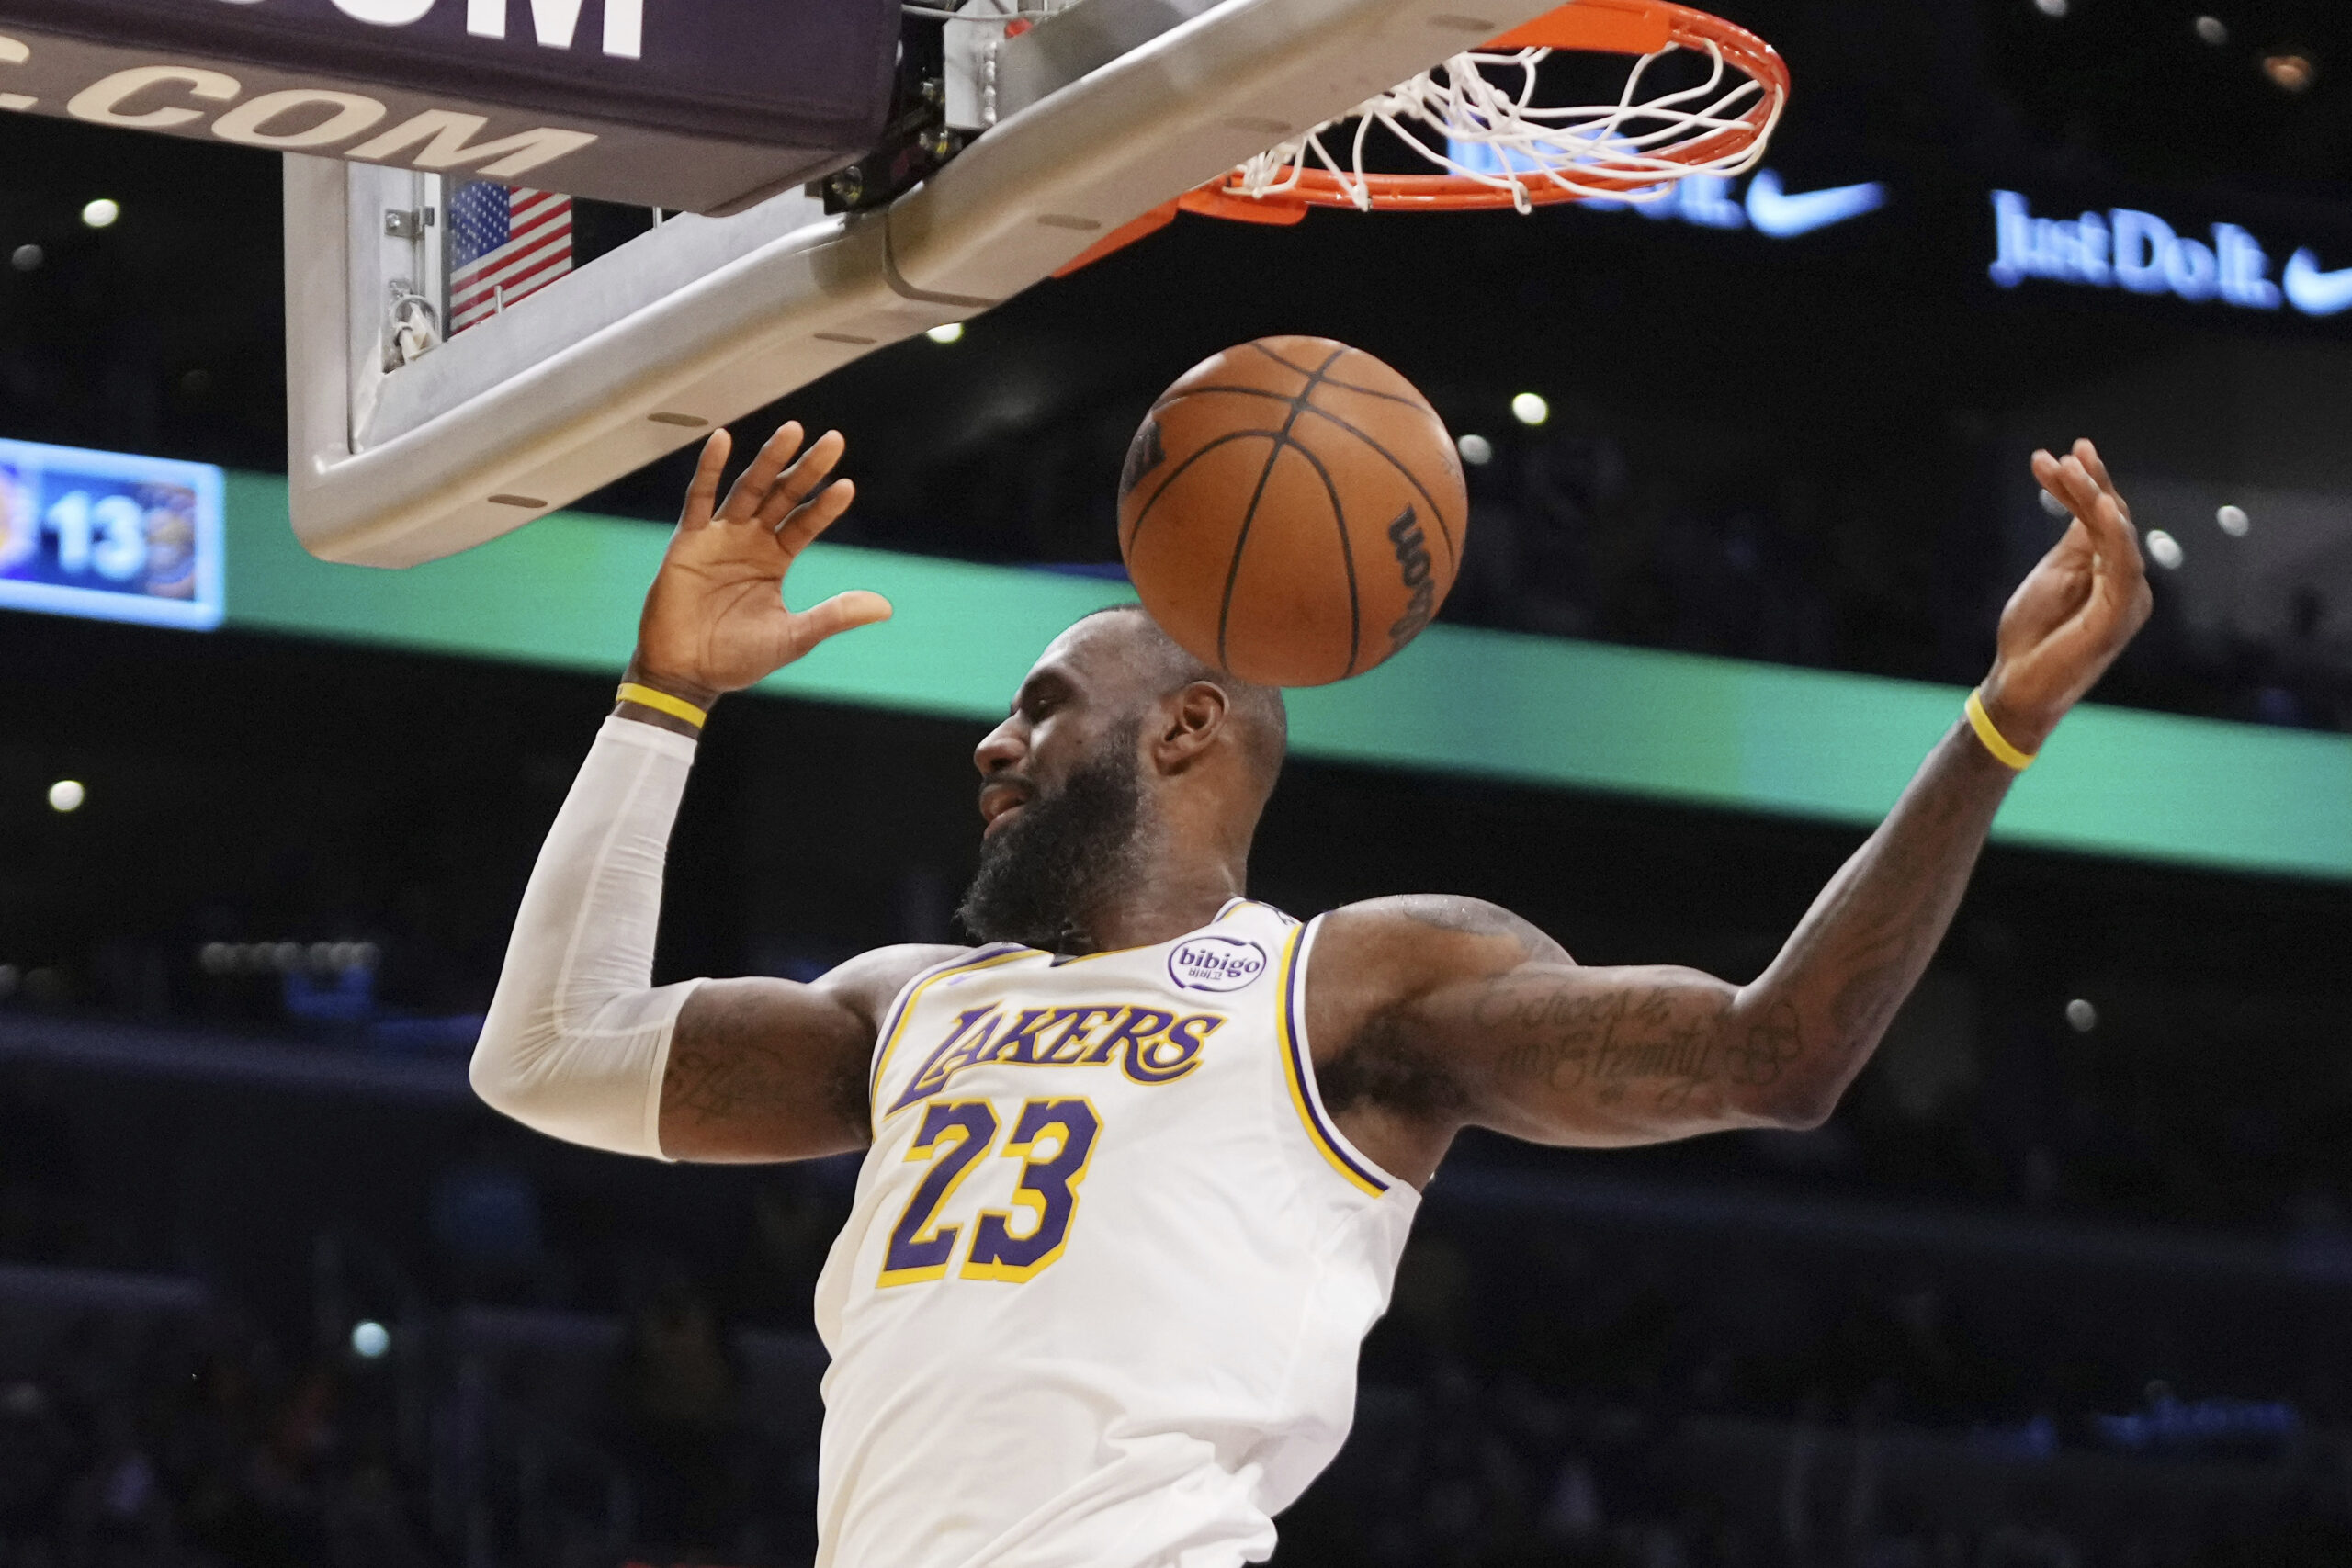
x=406 y=448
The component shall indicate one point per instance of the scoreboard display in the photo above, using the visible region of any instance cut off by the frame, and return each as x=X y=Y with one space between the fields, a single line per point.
x=109 y=537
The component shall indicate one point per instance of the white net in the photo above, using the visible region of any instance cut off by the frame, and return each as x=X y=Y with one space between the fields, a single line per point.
x=1475 y=118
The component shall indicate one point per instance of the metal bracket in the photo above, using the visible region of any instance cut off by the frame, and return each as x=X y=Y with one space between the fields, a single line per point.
x=409 y=224
x=994 y=71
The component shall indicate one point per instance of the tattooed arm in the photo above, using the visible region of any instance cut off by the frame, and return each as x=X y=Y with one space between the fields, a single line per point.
x=1512 y=1034
x=1431 y=1014
x=763 y=1070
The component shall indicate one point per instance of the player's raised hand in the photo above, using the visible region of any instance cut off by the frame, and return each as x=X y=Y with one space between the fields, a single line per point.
x=2077 y=609
x=715 y=619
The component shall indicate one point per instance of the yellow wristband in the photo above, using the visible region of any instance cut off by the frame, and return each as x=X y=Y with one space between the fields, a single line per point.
x=663 y=702
x=1994 y=741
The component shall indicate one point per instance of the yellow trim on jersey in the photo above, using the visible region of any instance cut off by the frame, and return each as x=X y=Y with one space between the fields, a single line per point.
x=1290 y=1047
x=907 y=1010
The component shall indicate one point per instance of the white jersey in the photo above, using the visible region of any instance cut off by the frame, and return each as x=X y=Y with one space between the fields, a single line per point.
x=1099 y=1301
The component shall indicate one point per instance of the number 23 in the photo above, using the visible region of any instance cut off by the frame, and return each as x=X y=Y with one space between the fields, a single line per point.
x=953 y=1136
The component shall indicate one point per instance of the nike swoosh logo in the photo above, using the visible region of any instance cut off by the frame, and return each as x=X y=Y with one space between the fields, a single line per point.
x=1783 y=216
x=2313 y=292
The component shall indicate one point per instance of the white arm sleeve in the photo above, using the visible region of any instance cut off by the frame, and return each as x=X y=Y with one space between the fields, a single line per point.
x=578 y=1036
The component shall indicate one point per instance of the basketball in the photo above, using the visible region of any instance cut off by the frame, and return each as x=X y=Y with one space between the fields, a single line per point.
x=1292 y=512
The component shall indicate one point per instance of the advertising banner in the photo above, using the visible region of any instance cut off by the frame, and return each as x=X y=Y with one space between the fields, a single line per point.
x=700 y=107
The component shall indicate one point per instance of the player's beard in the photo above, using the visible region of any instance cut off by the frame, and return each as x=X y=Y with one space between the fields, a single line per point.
x=1043 y=874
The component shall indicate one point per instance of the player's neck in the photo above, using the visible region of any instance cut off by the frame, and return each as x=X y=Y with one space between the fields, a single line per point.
x=1174 y=899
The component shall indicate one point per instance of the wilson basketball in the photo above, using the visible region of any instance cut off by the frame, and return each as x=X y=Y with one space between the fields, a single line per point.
x=1292 y=510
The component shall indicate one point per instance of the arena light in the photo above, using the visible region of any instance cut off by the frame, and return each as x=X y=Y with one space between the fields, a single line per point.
x=2050 y=8
x=951 y=333
x=1477 y=450
x=101 y=213
x=1529 y=408
x=67 y=796
x=26 y=258
x=287 y=957
x=2081 y=1017
x=2233 y=522
x=369 y=1339
x=2291 y=72
x=2212 y=31
x=2165 y=550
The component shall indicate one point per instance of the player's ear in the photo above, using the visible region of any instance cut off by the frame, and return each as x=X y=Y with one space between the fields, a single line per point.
x=1190 y=722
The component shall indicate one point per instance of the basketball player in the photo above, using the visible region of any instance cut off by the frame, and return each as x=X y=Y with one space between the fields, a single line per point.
x=1138 y=1168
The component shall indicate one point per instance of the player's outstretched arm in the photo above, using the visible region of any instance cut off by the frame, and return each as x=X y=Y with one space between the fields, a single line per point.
x=1449 y=1012
x=579 y=1042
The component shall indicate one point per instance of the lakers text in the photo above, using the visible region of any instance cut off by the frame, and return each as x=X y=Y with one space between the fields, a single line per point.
x=1149 y=1045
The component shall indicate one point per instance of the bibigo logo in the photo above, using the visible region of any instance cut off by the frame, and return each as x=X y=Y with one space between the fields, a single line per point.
x=1216 y=963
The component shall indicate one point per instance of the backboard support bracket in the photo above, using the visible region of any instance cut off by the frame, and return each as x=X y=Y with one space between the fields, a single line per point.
x=705 y=319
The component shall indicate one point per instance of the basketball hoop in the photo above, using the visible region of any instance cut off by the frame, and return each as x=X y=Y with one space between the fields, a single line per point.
x=1475 y=119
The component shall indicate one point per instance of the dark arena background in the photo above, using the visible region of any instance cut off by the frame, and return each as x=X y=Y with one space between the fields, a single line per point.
x=2065 y=1283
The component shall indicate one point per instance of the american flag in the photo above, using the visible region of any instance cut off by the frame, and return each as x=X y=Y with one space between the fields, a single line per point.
x=505 y=242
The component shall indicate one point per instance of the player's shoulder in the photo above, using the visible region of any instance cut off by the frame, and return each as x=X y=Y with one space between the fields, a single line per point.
x=1383 y=952
x=870 y=981
x=1435 y=923
x=1374 y=959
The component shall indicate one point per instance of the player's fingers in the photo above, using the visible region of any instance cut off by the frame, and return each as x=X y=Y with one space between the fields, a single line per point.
x=2087 y=455
x=842 y=612
x=757 y=481
x=2082 y=493
x=2052 y=478
x=2118 y=517
x=804 y=479
x=811 y=518
x=702 y=495
x=2114 y=540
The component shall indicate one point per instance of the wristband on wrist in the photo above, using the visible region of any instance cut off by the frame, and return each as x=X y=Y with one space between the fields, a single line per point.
x=1990 y=734
x=663 y=702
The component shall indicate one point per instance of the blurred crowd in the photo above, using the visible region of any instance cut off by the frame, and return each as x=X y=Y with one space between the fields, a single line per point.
x=1592 y=1396
x=522 y=1355
x=129 y=1439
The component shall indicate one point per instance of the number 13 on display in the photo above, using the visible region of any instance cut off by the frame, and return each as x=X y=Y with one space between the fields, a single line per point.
x=954 y=1136
x=109 y=534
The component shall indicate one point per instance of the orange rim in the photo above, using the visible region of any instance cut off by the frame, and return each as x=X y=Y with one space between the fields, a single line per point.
x=1620 y=26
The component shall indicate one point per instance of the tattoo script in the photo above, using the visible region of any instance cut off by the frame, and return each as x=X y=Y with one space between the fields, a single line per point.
x=1569 y=1036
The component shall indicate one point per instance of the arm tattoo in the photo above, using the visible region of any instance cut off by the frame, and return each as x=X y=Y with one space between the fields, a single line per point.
x=1557 y=1052
x=1671 y=1043
x=1389 y=1064
x=1853 y=960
